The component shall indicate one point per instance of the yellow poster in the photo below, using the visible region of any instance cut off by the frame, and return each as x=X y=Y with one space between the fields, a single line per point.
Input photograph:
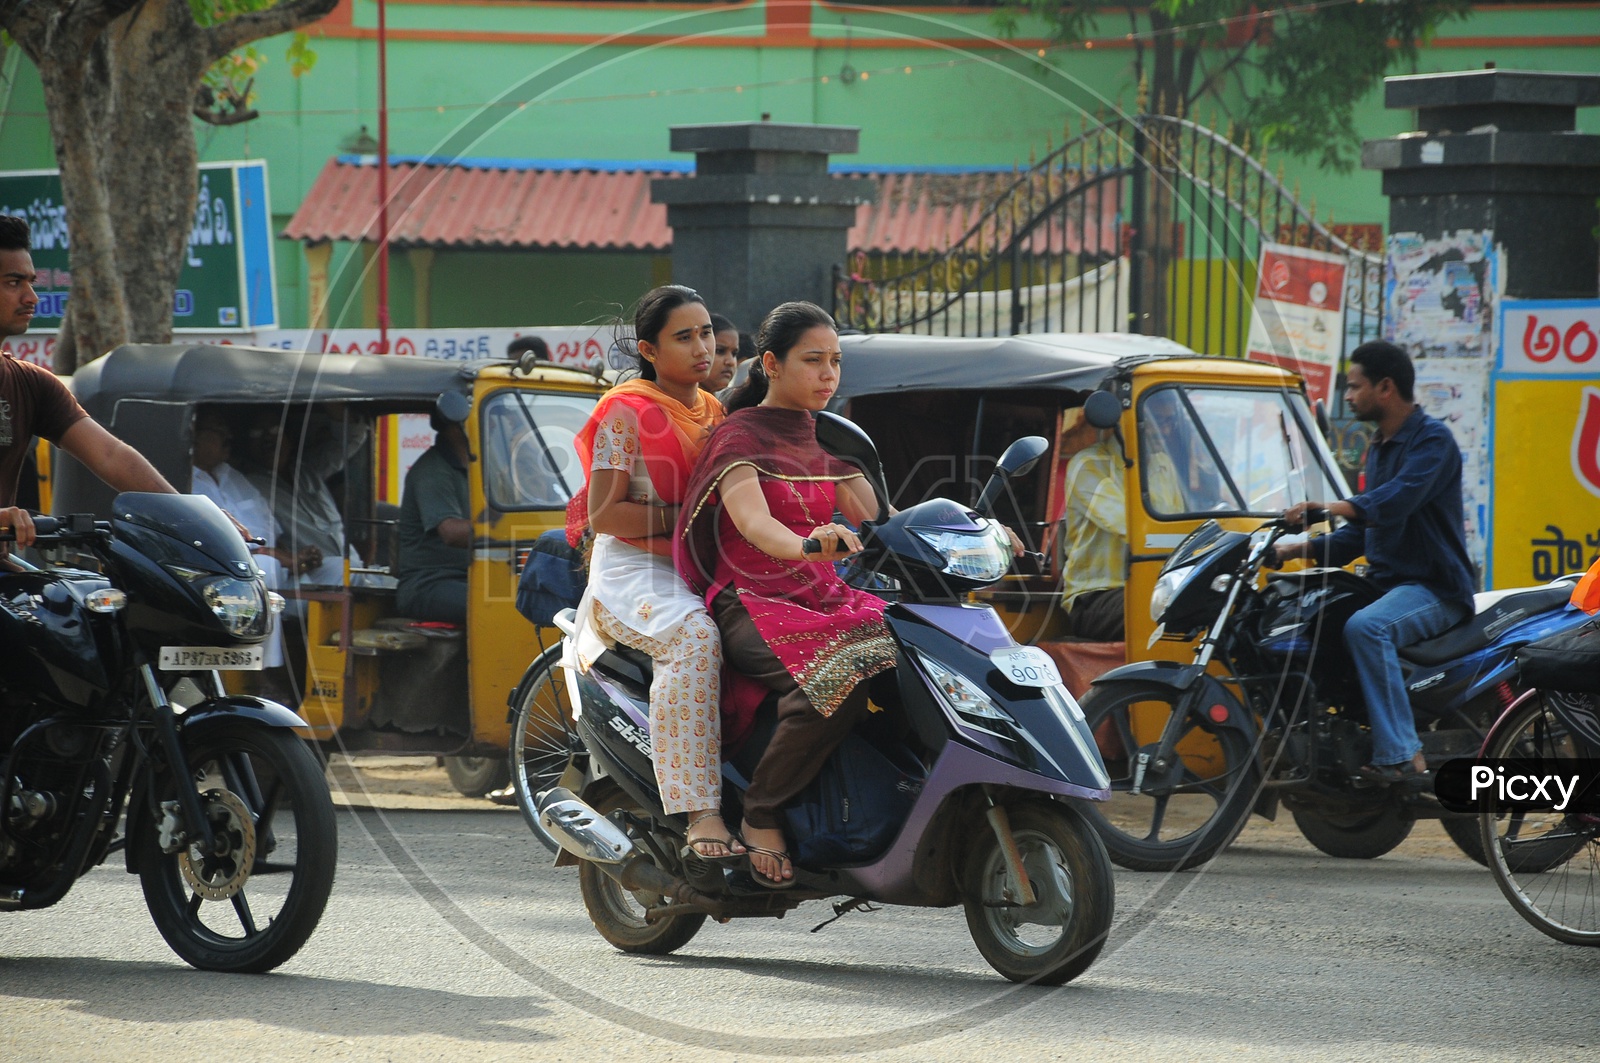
x=1546 y=456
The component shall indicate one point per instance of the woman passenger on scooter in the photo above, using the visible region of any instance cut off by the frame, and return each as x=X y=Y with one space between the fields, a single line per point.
x=639 y=447
x=761 y=490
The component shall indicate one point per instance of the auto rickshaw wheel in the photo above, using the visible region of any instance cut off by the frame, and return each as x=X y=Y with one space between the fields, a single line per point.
x=476 y=776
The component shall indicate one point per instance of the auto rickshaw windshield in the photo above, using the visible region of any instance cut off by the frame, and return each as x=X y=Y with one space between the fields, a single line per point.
x=530 y=459
x=1233 y=451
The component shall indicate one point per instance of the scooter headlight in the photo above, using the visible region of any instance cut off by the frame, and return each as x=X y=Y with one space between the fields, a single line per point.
x=983 y=555
x=1166 y=589
x=958 y=692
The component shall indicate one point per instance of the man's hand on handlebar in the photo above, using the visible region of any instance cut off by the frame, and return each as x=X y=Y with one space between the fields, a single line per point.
x=833 y=542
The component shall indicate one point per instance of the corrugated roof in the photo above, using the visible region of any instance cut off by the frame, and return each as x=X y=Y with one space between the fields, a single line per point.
x=495 y=205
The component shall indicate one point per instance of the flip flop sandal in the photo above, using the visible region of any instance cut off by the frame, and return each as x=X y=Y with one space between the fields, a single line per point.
x=689 y=852
x=763 y=880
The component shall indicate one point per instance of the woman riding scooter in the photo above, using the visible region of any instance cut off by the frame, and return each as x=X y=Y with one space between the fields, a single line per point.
x=639 y=447
x=759 y=542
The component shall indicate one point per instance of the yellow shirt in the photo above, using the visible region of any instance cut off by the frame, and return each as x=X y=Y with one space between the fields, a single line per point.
x=1096 y=517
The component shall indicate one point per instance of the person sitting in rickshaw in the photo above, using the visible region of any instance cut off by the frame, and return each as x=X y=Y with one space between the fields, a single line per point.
x=294 y=478
x=436 y=521
x=1095 y=526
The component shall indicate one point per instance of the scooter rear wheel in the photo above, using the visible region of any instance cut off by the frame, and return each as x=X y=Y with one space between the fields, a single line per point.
x=619 y=914
x=1060 y=935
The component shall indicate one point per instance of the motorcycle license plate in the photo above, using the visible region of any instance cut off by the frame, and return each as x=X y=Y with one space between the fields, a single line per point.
x=1026 y=666
x=211 y=658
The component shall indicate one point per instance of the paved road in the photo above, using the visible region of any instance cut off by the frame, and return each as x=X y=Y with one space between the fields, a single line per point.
x=449 y=938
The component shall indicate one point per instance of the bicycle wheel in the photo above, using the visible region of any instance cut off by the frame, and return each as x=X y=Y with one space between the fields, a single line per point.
x=1547 y=864
x=542 y=738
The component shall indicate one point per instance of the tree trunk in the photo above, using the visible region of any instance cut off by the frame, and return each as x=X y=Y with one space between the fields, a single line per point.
x=96 y=306
x=158 y=56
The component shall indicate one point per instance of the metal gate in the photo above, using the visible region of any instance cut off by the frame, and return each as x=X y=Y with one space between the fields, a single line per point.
x=1151 y=224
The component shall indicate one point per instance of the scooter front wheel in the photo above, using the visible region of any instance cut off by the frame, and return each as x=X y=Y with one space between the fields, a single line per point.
x=619 y=913
x=1180 y=818
x=1058 y=936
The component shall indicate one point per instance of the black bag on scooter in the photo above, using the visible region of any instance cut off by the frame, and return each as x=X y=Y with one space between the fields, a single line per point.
x=855 y=806
x=1568 y=660
x=553 y=578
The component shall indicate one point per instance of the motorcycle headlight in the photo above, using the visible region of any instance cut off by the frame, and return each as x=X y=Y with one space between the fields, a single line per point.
x=984 y=555
x=241 y=605
x=1166 y=589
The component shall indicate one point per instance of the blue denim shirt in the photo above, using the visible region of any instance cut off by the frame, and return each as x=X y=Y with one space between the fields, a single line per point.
x=1410 y=521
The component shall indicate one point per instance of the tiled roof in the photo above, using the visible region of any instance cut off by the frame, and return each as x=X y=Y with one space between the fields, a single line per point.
x=507 y=204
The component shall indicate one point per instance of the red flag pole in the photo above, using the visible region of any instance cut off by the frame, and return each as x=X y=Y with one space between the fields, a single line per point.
x=383 y=178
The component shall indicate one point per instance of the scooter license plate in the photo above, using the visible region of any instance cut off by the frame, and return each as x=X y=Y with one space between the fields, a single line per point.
x=211 y=658
x=1026 y=666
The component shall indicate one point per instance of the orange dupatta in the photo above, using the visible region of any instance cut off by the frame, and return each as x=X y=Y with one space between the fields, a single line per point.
x=671 y=436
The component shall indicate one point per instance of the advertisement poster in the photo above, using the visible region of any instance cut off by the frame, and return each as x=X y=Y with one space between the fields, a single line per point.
x=1456 y=392
x=1298 y=319
x=1546 y=441
x=1440 y=294
x=227 y=279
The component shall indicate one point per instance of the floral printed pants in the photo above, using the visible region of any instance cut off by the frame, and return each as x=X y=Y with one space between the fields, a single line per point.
x=685 y=708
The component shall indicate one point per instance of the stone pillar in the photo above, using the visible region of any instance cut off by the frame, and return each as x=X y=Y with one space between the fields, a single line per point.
x=1497 y=150
x=761 y=221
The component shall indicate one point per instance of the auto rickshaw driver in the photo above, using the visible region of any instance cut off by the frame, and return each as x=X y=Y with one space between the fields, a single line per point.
x=436 y=521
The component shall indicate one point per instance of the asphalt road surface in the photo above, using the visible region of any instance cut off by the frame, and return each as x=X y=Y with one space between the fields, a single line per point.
x=449 y=937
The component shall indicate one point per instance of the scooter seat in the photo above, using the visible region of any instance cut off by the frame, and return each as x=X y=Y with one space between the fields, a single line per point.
x=627 y=663
x=1497 y=612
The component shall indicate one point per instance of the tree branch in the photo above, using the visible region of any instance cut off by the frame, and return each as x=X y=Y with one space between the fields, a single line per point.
x=237 y=32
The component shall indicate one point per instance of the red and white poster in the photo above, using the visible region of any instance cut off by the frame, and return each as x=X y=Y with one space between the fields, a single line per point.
x=1298 y=320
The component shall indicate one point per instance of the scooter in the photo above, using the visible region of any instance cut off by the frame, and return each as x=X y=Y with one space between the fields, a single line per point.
x=987 y=747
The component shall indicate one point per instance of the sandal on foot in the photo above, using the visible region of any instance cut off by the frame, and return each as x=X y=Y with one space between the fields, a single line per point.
x=761 y=879
x=691 y=847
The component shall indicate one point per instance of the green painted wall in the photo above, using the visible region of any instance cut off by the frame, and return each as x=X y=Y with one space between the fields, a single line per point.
x=950 y=105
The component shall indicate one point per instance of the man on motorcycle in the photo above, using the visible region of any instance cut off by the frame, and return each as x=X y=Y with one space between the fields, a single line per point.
x=1408 y=521
x=34 y=403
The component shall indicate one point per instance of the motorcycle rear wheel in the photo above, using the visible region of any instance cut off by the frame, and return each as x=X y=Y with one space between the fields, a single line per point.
x=1179 y=829
x=1546 y=864
x=1364 y=835
x=542 y=739
x=252 y=907
x=1060 y=935
x=618 y=913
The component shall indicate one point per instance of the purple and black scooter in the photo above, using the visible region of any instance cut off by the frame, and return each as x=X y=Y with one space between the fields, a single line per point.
x=978 y=739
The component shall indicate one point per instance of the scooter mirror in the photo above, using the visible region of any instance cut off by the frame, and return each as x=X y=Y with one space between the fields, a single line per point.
x=1019 y=457
x=1103 y=410
x=845 y=440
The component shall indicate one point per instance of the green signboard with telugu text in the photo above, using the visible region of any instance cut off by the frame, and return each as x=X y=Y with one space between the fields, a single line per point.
x=227 y=279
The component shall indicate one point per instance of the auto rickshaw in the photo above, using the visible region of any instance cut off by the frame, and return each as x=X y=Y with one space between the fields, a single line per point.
x=366 y=679
x=942 y=409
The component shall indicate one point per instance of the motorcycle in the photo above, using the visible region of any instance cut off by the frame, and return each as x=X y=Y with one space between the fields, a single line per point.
x=990 y=751
x=1192 y=754
x=117 y=735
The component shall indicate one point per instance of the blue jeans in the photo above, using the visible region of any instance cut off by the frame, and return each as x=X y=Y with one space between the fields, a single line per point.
x=1408 y=614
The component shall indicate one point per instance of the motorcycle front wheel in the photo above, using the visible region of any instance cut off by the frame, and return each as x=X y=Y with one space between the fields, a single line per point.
x=1184 y=819
x=1547 y=864
x=542 y=739
x=1058 y=936
x=252 y=903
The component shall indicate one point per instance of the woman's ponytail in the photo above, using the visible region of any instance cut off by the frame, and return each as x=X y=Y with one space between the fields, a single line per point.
x=752 y=391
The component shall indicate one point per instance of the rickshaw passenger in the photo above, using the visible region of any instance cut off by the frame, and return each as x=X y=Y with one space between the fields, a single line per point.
x=295 y=480
x=638 y=448
x=436 y=522
x=1095 y=527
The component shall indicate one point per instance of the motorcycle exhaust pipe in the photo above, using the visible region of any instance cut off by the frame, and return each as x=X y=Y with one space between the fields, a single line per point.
x=591 y=837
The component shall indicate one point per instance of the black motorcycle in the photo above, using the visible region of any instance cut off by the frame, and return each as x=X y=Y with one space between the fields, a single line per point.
x=1190 y=760
x=116 y=735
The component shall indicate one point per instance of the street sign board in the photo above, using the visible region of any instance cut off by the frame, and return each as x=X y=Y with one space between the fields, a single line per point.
x=227 y=281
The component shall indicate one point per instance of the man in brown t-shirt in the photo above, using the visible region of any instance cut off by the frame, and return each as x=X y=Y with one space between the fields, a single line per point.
x=34 y=403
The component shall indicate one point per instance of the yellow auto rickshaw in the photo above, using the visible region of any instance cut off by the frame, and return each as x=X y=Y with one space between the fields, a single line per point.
x=366 y=679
